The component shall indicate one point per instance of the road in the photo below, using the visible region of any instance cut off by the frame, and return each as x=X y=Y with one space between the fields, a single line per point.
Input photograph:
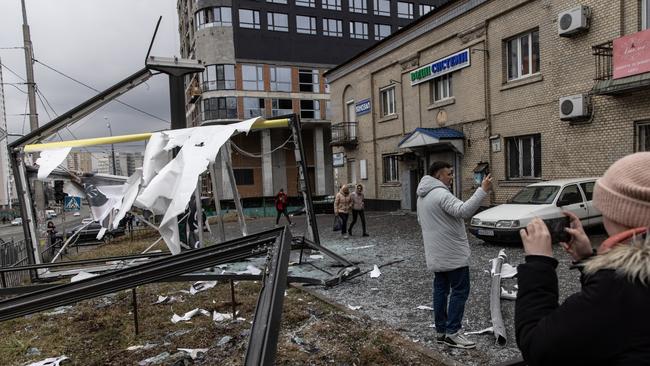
x=8 y=232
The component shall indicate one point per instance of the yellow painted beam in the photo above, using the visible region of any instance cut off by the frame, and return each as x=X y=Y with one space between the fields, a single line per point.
x=260 y=124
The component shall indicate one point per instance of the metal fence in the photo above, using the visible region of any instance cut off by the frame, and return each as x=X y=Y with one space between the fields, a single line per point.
x=13 y=254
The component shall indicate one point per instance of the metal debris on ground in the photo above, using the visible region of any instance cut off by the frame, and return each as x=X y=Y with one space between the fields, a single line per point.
x=363 y=247
x=219 y=317
x=202 y=286
x=155 y=360
x=353 y=307
x=58 y=311
x=166 y=300
x=81 y=276
x=488 y=330
x=52 y=361
x=424 y=307
x=194 y=352
x=189 y=315
x=223 y=341
x=375 y=272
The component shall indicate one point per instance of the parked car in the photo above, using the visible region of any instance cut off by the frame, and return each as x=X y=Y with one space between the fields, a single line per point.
x=89 y=233
x=76 y=213
x=87 y=220
x=17 y=221
x=50 y=214
x=546 y=200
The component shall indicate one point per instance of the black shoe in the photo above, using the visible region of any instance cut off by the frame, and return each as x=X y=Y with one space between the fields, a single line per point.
x=365 y=234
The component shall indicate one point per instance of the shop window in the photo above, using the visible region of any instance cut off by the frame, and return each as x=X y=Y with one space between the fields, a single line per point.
x=308 y=80
x=219 y=108
x=280 y=79
x=213 y=17
x=382 y=31
x=305 y=24
x=280 y=107
x=244 y=177
x=309 y=109
x=253 y=107
x=441 y=88
x=524 y=157
x=332 y=4
x=249 y=19
x=332 y=27
x=359 y=30
x=252 y=77
x=423 y=9
x=382 y=7
x=404 y=10
x=358 y=6
x=642 y=136
x=387 y=97
x=278 y=22
x=522 y=54
x=391 y=168
x=218 y=77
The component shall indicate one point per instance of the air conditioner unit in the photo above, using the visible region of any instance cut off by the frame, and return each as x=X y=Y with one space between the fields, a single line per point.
x=573 y=21
x=575 y=107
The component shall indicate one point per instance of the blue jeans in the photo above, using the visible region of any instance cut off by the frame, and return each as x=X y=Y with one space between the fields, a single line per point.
x=448 y=319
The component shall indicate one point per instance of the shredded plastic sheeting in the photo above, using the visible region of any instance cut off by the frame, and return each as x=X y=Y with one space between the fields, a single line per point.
x=189 y=315
x=50 y=159
x=52 y=361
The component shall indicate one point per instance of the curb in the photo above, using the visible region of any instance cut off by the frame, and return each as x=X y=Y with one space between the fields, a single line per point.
x=416 y=346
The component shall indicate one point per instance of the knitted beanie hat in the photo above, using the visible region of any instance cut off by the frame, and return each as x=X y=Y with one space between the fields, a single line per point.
x=622 y=194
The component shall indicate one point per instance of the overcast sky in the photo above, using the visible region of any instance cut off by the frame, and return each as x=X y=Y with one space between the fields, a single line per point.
x=98 y=42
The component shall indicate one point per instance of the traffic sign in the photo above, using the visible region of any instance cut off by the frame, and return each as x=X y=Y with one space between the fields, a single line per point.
x=71 y=203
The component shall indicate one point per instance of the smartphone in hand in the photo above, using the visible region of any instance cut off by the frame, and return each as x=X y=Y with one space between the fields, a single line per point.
x=556 y=228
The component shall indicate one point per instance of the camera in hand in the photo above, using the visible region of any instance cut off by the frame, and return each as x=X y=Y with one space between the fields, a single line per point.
x=556 y=228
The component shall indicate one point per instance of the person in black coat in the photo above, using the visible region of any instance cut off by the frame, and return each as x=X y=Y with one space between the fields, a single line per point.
x=608 y=321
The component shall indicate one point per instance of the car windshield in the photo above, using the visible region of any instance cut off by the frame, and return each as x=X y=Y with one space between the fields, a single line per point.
x=536 y=195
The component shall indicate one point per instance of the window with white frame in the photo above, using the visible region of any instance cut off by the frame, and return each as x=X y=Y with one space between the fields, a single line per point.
x=249 y=19
x=441 y=88
x=332 y=4
x=404 y=10
x=391 y=168
x=645 y=14
x=252 y=77
x=381 y=7
x=218 y=77
x=308 y=80
x=306 y=3
x=278 y=22
x=524 y=156
x=305 y=24
x=382 y=31
x=358 y=6
x=522 y=54
x=277 y=1
x=642 y=136
x=280 y=107
x=332 y=27
x=387 y=98
x=219 y=108
x=280 y=78
x=253 y=107
x=423 y=9
x=310 y=109
x=219 y=16
x=359 y=30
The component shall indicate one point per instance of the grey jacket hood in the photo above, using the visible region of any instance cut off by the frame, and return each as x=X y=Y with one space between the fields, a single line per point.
x=427 y=184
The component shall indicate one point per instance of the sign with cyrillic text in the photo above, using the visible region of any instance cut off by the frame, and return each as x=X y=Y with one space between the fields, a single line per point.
x=441 y=67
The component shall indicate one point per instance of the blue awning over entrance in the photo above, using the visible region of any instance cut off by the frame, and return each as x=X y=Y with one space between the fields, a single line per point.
x=433 y=137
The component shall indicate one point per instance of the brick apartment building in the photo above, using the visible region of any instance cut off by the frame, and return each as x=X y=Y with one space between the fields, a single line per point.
x=537 y=89
x=268 y=58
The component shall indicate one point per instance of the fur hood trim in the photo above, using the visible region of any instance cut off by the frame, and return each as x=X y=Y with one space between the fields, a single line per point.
x=630 y=260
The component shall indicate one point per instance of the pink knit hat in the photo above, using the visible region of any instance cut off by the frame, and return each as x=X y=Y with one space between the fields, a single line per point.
x=623 y=192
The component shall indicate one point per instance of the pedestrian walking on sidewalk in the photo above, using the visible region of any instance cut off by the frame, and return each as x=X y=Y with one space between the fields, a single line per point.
x=357 y=209
x=342 y=206
x=281 y=201
x=441 y=216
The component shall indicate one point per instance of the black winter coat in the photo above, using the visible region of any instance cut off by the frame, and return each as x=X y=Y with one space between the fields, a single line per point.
x=606 y=323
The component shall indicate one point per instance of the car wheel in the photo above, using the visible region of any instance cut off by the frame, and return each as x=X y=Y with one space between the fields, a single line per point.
x=107 y=238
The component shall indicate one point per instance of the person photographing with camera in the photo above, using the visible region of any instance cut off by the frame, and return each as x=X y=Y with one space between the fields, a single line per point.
x=607 y=322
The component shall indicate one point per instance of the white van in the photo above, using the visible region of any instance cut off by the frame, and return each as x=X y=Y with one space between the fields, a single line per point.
x=50 y=214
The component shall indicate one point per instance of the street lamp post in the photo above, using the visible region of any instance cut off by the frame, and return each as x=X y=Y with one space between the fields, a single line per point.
x=110 y=131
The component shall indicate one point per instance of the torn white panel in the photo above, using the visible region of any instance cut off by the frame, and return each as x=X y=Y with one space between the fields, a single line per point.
x=316 y=256
x=508 y=271
x=166 y=300
x=363 y=247
x=50 y=159
x=52 y=361
x=202 y=286
x=134 y=348
x=130 y=191
x=424 y=307
x=375 y=272
x=101 y=233
x=193 y=352
x=250 y=269
x=353 y=307
x=508 y=295
x=219 y=317
x=82 y=276
x=489 y=330
x=189 y=315
x=170 y=190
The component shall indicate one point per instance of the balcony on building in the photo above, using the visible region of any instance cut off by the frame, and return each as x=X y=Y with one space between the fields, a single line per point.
x=622 y=65
x=344 y=134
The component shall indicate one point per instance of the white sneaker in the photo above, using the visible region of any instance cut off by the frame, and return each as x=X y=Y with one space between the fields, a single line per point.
x=458 y=340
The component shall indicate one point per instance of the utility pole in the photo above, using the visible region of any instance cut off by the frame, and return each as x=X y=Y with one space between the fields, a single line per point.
x=110 y=131
x=39 y=197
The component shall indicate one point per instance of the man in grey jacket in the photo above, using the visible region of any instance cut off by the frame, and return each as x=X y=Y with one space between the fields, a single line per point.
x=446 y=248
